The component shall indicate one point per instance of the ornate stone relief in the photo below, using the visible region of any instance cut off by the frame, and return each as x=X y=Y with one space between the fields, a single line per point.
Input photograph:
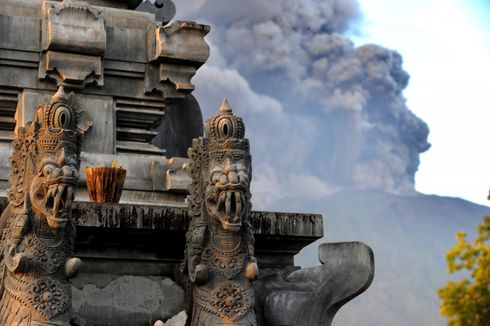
x=73 y=43
x=219 y=256
x=176 y=52
x=37 y=233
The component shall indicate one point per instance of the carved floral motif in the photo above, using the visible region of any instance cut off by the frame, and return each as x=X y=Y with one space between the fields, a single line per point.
x=230 y=301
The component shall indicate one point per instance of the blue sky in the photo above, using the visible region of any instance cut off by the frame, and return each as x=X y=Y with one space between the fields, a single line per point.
x=446 y=49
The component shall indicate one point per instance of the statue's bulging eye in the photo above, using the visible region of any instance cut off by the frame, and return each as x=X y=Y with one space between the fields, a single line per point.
x=62 y=118
x=225 y=128
x=51 y=171
x=47 y=171
x=40 y=195
x=243 y=177
x=67 y=171
x=215 y=177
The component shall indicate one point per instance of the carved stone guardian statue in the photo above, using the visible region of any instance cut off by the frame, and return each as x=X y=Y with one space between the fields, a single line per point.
x=37 y=233
x=219 y=256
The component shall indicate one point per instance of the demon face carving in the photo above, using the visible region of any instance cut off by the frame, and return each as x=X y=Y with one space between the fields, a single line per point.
x=53 y=185
x=53 y=188
x=227 y=195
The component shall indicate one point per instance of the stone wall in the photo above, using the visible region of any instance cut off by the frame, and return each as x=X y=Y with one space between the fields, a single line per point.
x=127 y=70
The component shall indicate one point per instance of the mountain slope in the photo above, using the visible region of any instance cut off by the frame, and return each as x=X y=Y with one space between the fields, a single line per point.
x=409 y=236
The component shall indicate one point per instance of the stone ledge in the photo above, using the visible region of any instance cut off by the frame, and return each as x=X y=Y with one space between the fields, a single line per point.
x=176 y=219
x=168 y=218
x=156 y=234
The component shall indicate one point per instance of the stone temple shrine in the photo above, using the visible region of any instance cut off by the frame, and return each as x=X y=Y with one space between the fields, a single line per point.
x=108 y=83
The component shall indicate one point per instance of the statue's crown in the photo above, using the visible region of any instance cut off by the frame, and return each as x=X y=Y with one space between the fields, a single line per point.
x=225 y=125
x=58 y=122
x=225 y=133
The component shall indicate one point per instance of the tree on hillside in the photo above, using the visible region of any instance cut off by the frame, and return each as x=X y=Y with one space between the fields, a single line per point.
x=467 y=302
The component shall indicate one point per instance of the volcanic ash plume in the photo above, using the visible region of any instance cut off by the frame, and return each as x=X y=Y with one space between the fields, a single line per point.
x=328 y=110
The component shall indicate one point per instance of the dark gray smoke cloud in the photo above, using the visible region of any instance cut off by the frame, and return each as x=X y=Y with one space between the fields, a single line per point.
x=322 y=114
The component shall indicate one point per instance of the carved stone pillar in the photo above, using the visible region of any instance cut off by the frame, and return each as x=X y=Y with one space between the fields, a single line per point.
x=37 y=233
x=219 y=257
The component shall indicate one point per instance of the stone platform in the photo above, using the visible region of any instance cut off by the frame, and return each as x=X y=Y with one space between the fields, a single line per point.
x=126 y=231
x=131 y=256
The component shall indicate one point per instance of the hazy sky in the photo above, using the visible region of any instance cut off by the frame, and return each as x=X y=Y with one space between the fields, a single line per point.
x=446 y=50
x=325 y=115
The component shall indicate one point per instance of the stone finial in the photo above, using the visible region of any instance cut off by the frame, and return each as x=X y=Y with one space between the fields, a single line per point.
x=225 y=108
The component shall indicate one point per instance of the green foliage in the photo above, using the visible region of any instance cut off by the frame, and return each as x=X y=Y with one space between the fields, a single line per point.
x=467 y=302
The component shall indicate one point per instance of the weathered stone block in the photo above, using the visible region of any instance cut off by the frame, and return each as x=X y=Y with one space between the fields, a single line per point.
x=74 y=70
x=179 y=76
x=179 y=49
x=101 y=111
x=128 y=44
x=19 y=32
x=177 y=180
x=17 y=58
x=74 y=27
x=124 y=69
x=155 y=84
x=125 y=300
x=181 y=41
x=170 y=177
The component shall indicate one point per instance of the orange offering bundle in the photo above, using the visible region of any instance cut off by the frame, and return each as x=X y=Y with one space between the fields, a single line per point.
x=104 y=183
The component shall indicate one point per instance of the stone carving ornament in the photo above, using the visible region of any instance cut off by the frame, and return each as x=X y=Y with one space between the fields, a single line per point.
x=220 y=258
x=37 y=233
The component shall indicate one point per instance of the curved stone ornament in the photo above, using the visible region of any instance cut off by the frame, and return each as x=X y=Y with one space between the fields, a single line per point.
x=312 y=296
x=37 y=232
x=219 y=256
